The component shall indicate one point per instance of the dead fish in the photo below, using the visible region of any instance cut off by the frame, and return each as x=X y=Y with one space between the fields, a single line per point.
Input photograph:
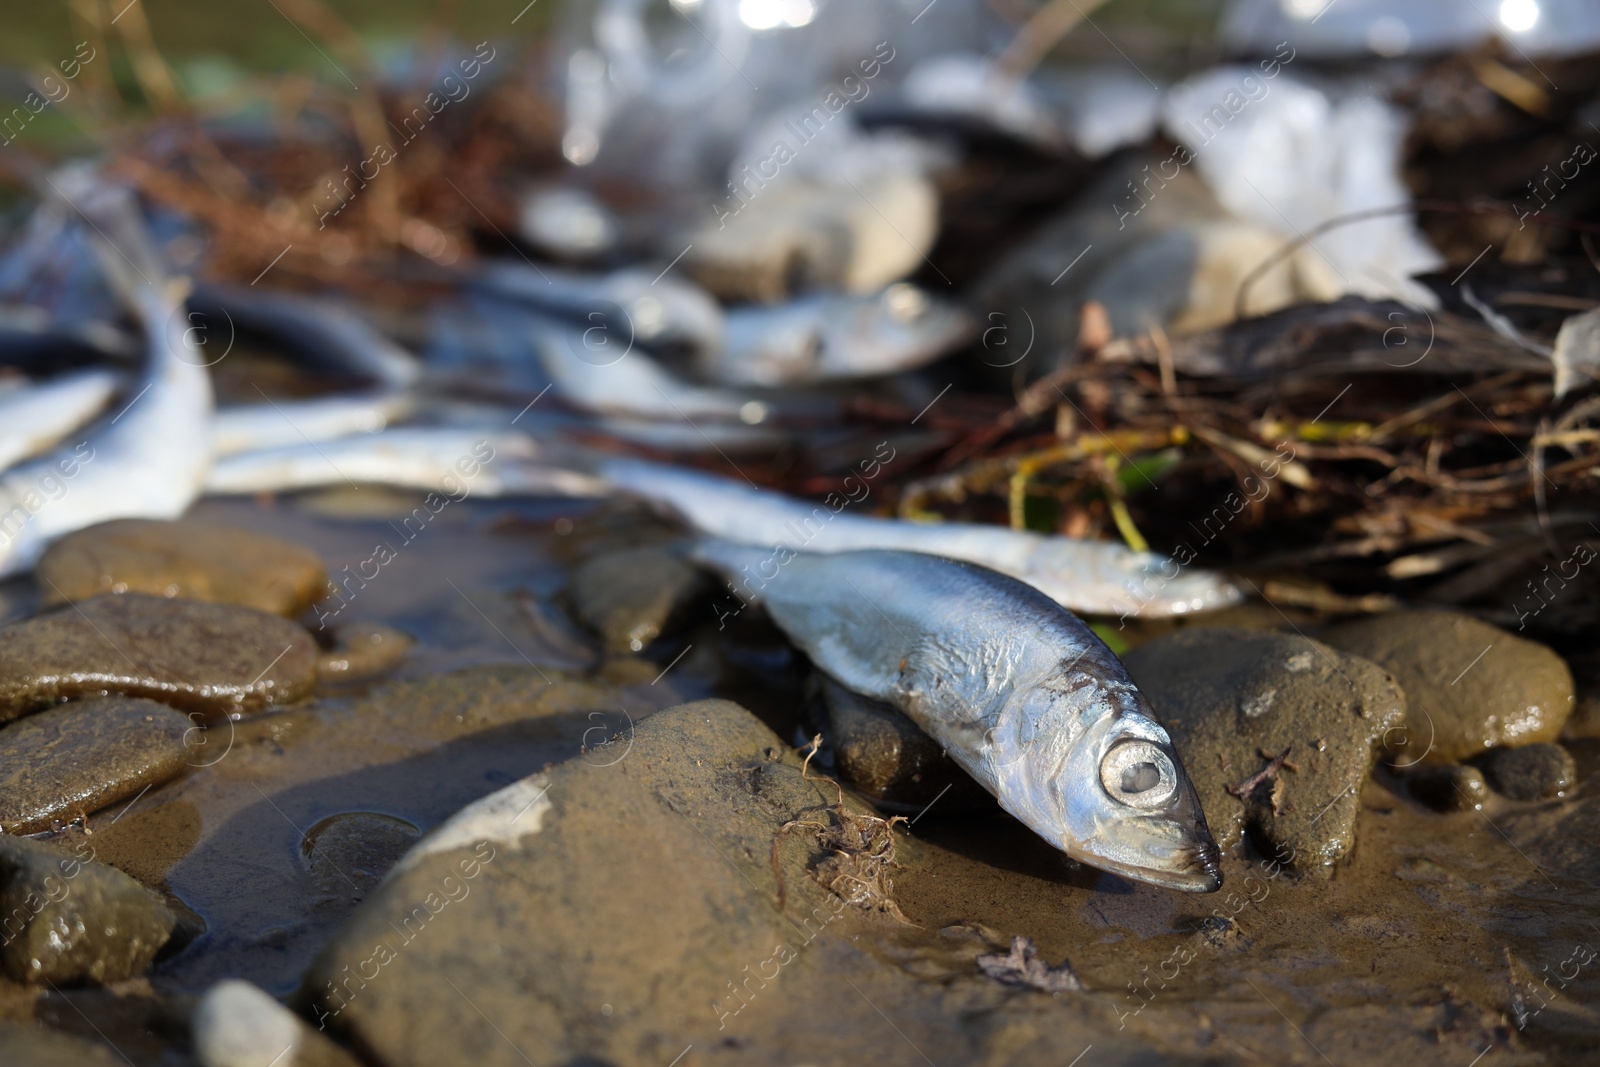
x=280 y=423
x=655 y=311
x=34 y=417
x=1018 y=690
x=836 y=338
x=1095 y=577
x=148 y=460
x=598 y=371
x=330 y=338
x=452 y=460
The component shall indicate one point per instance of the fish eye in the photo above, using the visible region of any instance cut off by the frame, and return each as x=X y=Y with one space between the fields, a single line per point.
x=1138 y=774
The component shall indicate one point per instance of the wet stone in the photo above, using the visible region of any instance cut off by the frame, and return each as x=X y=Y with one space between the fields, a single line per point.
x=81 y=757
x=69 y=919
x=630 y=597
x=182 y=558
x=1235 y=699
x=1532 y=772
x=549 y=904
x=238 y=1025
x=884 y=755
x=1469 y=686
x=1449 y=787
x=214 y=659
x=363 y=650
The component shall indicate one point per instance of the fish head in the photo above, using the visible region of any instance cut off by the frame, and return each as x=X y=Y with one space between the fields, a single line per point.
x=1126 y=805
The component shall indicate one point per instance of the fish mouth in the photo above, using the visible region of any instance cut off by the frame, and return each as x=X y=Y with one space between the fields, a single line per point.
x=1200 y=871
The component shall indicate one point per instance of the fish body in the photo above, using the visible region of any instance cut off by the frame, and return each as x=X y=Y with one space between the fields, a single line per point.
x=1018 y=690
x=34 y=417
x=1095 y=577
x=328 y=337
x=836 y=338
x=150 y=458
x=281 y=423
x=655 y=311
x=447 y=459
x=148 y=461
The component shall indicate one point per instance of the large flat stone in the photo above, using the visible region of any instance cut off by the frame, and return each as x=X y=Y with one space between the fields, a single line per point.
x=214 y=659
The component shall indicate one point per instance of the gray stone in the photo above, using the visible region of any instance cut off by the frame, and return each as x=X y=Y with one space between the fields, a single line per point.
x=1469 y=686
x=1449 y=786
x=65 y=918
x=76 y=759
x=630 y=597
x=1532 y=772
x=214 y=659
x=1232 y=699
x=182 y=558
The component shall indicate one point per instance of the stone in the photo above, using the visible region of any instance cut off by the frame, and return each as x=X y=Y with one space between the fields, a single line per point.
x=1469 y=686
x=550 y=907
x=66 y=918
x=1235 y=699
x=363 y=650
x=1449 y=786
x=81 y=757
x=629 y=597
x=34 y=1046
x=182 y=558
x=1532 y=772
x=214 y=659
x=238 y=1025
x=884 y=755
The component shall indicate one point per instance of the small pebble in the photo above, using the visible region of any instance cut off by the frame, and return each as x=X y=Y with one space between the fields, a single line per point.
x=1532 y=772
x=81 y=757
x=1449 y=787
x=237 y=1024
x=363 y=650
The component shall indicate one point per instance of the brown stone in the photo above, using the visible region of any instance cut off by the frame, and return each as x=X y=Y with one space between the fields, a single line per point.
x=183 y=558
x=208 y=658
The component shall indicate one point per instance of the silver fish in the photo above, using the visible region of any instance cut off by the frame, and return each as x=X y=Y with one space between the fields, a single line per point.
x=836 y=338
x=148 y=460
x=331 y=337
x=425 y=458
x=655 y=311
x=281 y=423
x=1019 y=692
x=34 y=417
x=596 y=370
x=1094 y=577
